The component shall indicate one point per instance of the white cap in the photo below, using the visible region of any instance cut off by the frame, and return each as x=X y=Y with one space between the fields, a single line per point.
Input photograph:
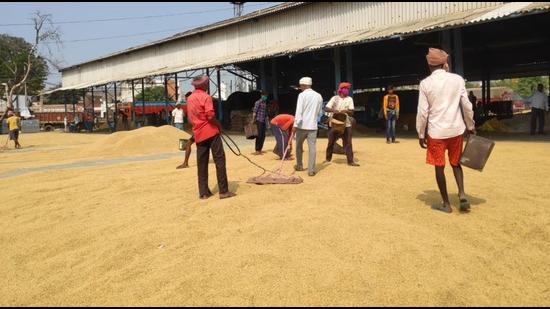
x=306 y=81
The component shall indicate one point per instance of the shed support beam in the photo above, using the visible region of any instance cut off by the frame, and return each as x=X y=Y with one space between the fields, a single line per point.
x=337 y=67
x=166 y=117
x=349 y=66
x=106 y=94
x=133 y=104
x=457 y=58
x=74 y=105
x=274 y=79
x=66 y=119
x=220 y=109
x=116 y=109
x=142 y=102
x=176 y=95
x=93 y=110
x=208 y=74
x=263 y=79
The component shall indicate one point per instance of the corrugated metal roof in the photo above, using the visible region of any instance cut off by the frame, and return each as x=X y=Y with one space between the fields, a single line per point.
x=194 y=31
x=412 y=26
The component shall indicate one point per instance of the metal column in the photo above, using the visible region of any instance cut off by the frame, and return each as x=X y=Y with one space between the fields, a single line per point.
x=116 y=110
x=263 y=79
x=93 y=110
x=83 y=103
x=143 y=102
x=274 y=79
x=74 y=105
x=133 y=105
x=105 y=93
x=457 y=58
x=220 y=109
x=208 y=74
x=349 y=66
x=445 y=40
x=66 y=120
x=337 y=66
x=176 y=87
x=166 y=118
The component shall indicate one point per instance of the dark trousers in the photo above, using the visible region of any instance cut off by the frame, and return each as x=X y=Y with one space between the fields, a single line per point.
x=281 y=137
x=261 y=135
x=537 y=114
x=333 y=137
x=203 y=156
x=390 y=126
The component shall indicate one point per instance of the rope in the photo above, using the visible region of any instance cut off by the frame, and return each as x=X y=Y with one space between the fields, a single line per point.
x=238 y=152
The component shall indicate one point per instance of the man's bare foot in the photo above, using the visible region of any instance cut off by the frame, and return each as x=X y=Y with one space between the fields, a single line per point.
x=182 y=166
x=443 y=207
x=257 y=153
x=227 y=195
x=206 y=196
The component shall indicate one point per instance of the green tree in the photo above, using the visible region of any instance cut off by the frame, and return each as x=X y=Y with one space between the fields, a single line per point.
x=20 y=62
x=156 y=93
x=14 y=53
x=522 y=86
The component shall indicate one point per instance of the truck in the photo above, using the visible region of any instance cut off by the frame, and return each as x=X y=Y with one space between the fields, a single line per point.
x=54 y=120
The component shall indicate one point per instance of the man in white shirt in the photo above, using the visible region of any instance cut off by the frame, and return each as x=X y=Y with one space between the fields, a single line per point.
x=177 y=116
x=444 y=114
x=308 y=108
x=539 y=105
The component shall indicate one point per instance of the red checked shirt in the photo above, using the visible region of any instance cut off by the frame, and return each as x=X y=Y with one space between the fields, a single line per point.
x=200 y=109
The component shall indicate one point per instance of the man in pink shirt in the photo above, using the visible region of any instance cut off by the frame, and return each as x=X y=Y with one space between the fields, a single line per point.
x=206 y=130
x=444 y=114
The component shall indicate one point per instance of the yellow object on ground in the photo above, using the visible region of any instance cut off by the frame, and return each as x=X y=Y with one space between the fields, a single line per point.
x=494 y=125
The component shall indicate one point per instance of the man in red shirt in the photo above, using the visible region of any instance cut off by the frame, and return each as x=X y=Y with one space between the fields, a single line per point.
x=281 y=126
x=206 y=130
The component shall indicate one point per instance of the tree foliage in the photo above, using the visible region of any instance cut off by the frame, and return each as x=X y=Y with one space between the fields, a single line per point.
x=156 y=93
x=524 y=87
x=18 y=75
x=14 y=52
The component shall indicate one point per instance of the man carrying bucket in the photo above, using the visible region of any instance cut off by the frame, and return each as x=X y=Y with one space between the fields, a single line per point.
x=342 y=107
x=442 y=95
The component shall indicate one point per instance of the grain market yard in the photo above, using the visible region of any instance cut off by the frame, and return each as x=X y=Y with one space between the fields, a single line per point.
x=85 y=223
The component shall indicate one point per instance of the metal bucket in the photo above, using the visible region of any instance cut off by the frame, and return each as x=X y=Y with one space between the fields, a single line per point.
x=182 y=143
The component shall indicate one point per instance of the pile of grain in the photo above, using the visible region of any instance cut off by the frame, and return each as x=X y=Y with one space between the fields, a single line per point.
x=145 y=140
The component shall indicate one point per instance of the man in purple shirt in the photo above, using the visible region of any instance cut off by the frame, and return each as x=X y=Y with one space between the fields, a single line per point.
x=259 y=118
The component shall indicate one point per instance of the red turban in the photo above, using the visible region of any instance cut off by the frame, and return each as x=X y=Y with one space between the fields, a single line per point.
x=201 y=83
x=436 y=57
x=344 y=85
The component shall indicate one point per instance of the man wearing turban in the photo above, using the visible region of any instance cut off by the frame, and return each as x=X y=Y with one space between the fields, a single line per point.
x=341 y=103
x=444 y=114
x=206 y=131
